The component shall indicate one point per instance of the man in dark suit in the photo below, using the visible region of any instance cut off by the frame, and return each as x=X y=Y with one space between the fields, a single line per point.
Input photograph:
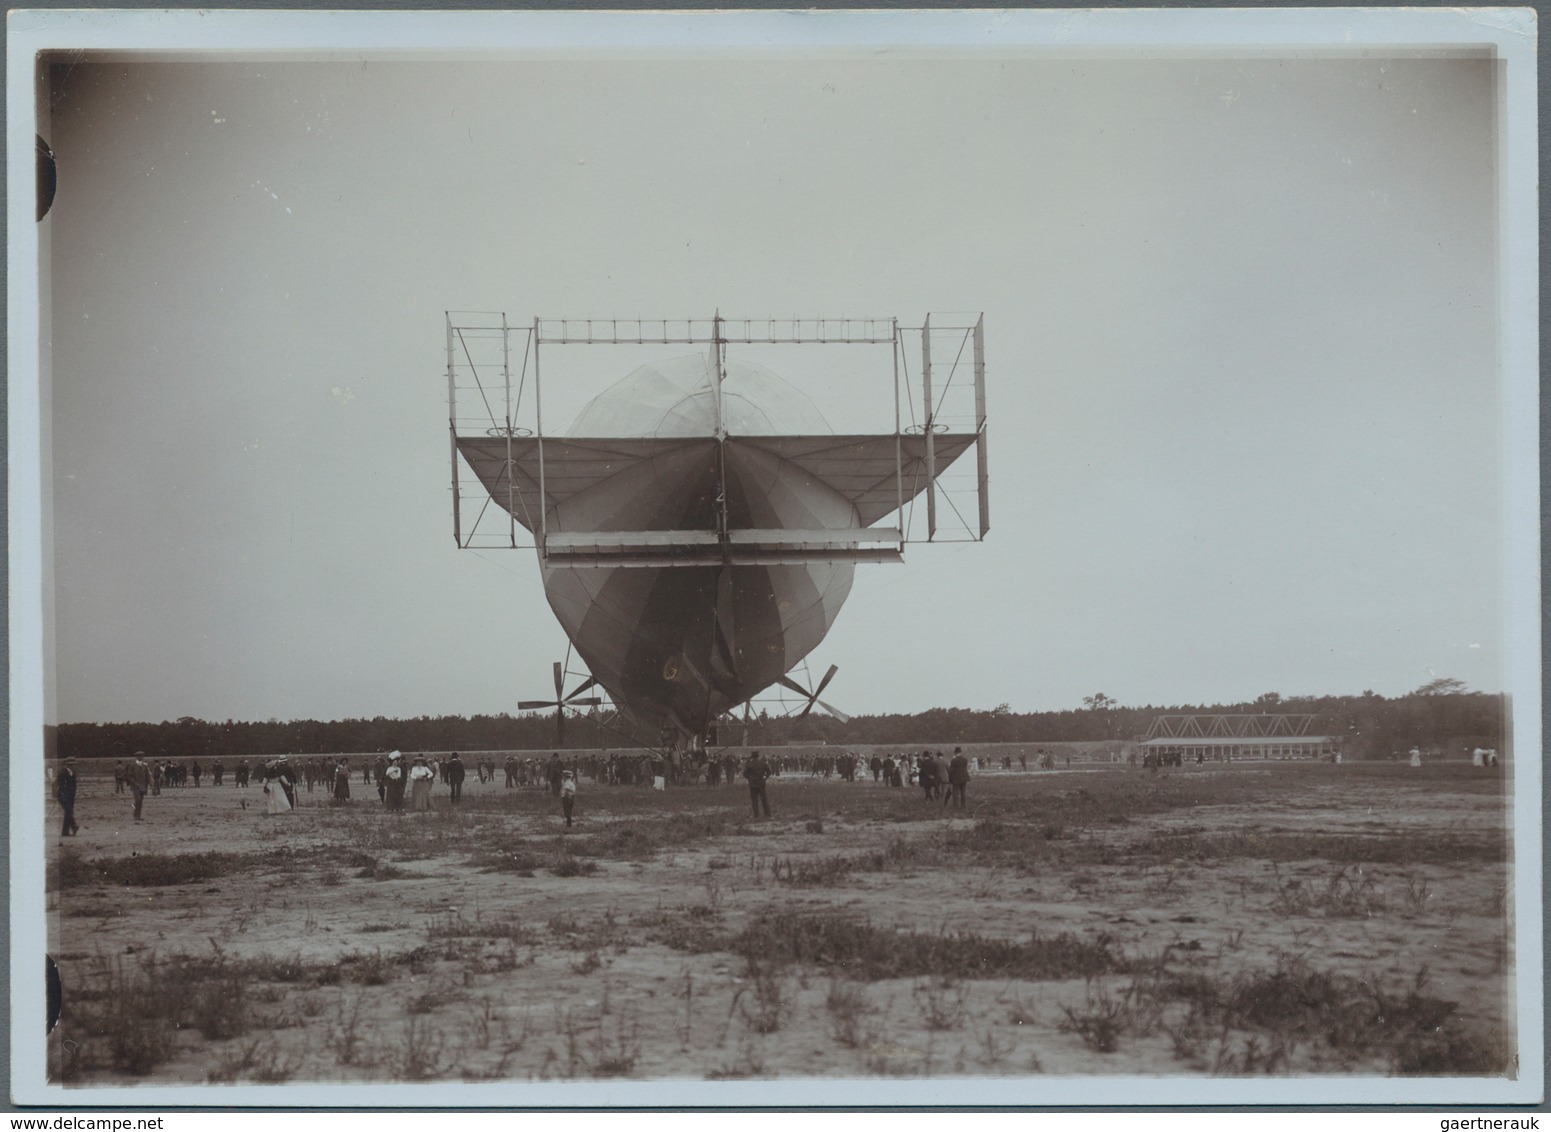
x=64 y=792
x=958 y=777
x=756 y=772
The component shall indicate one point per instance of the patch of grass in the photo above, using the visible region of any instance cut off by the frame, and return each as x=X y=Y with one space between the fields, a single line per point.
x=255 y=1061
x=453 y=925
x=567 y=865
x=941 y=1002
x=847 y=1005
x=1391 y=848
x=1346 y=892
x=1105 y=1017
x=694 y=928
x=1352 y=1016
x=643 y=838
x=762 y=999
x=840 y=942
x=420 y=1053
x=149 y=870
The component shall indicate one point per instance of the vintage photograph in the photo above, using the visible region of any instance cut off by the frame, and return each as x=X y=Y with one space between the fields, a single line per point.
x=704 y=553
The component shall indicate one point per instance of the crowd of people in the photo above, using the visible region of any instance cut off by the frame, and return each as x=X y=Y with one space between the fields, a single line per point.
x=405 y=783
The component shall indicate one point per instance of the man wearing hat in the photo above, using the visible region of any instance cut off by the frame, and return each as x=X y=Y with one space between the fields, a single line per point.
x=393 y=780
x=139 y=781
x=64 y=792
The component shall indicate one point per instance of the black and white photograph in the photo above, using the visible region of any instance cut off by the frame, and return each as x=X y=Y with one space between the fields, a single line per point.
x=884 y=558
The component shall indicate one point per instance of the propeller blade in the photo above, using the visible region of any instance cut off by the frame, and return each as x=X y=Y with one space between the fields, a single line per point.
x=572 y=697
x=531 y=705
x=590 y=701
x=788 y=682
x=824 y=683
x=559 y=681
x=834 y=711
x=803 y=714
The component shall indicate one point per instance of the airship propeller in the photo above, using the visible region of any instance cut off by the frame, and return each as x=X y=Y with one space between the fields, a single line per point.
x=813 y=696
x=562 y=701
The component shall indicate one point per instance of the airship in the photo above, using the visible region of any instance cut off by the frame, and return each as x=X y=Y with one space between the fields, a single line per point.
x=699 y=524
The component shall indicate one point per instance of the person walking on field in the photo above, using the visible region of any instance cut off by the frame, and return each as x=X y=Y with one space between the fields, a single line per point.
x=139 y=781
x=757 y=772
x=567 y=795
x=455 y=775
x=64 y=792
x=342 y=782
x=958 y=777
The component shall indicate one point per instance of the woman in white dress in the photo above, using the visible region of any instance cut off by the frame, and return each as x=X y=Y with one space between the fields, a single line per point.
x=274 y=792
x=420 y=779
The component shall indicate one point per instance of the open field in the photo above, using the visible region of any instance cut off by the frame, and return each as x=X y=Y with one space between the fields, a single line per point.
x=1242 y=918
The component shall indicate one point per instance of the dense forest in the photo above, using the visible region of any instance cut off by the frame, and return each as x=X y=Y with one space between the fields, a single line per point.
x=1440 y=715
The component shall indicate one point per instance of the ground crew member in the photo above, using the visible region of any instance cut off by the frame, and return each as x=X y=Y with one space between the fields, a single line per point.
x=756 y=772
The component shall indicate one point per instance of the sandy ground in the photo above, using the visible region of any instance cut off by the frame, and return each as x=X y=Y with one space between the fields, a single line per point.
x=447 y=970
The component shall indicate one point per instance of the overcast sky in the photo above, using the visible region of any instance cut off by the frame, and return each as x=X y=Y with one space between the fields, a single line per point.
x=1241 y=332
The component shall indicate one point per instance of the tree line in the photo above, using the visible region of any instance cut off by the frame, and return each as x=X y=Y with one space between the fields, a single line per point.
x=1439 y=715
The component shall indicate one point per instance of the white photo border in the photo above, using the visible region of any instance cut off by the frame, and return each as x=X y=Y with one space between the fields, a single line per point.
x=1508 y=33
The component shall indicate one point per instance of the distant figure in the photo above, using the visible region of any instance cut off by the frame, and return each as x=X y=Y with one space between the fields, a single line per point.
x=342 y=782
x=876 y=766
x=1416 y=756
x=757 y=772
x=197 y=771
x=455 y=775
x=139 y=781
x=510 y=766
x=567 y=795
x=1478 y=757
x=64 y=792
x=890 y=772
x=156 y=778
x=242 y=774
x=119 y=777
x=1023 y=761
x=553 y=772
x=420 y=778
x=1491 y=756
x=392 y=785
x=217 y=770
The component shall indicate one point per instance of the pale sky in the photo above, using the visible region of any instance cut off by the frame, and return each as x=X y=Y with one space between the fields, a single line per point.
x=1241 y=334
